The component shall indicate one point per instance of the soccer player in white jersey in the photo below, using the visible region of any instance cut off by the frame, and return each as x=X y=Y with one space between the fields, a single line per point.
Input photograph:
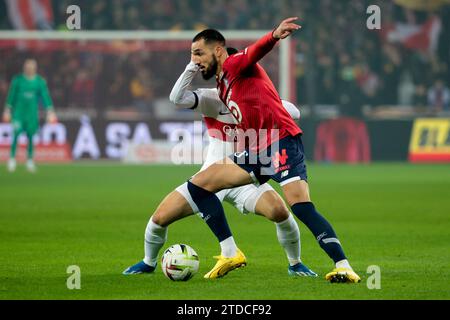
x=262 y=200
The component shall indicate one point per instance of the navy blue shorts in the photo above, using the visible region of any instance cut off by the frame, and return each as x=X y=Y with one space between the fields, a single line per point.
x=283 y=162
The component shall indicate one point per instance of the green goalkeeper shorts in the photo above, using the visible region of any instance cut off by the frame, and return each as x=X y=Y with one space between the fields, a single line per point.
x=30 y=127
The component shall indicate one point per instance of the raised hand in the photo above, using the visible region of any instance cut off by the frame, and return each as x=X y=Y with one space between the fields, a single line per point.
x=286 y=28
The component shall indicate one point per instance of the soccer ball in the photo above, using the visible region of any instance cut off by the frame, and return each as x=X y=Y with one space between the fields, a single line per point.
x=179 y=262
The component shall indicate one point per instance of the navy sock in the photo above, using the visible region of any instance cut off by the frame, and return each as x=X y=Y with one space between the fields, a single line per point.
x=212 y=211
x=321 y=228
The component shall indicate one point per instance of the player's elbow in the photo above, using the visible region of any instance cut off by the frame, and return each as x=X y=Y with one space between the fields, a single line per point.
x=177 y=101
x=174 y=97
x=179 y=105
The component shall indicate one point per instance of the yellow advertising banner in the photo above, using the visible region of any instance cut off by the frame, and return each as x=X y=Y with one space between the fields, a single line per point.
x=430 y=140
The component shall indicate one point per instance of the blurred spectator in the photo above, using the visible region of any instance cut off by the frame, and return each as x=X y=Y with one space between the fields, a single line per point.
x=83 y=90
x=406 y=90
x=438 y=97
x=420 y=95
x=390 y=74
x=141 y=91
x=368 y=82
x=118 y=92
x=350 y=98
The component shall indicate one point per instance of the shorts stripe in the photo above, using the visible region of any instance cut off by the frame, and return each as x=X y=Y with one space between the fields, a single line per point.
x=252 y=200
x=282 y=183
x=183 y=190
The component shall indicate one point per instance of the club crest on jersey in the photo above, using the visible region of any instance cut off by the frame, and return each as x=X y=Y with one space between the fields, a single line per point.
x=279 y=161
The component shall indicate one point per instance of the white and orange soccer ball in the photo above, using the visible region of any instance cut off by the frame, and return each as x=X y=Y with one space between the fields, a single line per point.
x=179 y=262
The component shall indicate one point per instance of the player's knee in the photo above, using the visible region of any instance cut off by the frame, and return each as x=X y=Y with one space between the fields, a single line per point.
x=156 y=219
x=160 y=218
x=278 y=212
x=201 y=180
x=296 y=192
x=170 y=211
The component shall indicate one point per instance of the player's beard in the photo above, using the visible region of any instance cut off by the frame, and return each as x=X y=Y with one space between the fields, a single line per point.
x=212 y=69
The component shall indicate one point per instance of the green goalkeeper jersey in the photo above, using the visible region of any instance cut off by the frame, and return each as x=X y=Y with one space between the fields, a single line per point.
x=23 y=97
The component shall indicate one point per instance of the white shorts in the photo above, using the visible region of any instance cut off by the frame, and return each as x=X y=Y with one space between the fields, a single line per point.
x=242 y=198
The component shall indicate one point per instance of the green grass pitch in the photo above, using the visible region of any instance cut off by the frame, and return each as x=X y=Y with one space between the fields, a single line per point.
x=395 y=216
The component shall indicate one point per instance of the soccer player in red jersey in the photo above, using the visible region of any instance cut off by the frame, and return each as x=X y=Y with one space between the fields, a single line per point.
x=262 y=200
x=271 y=141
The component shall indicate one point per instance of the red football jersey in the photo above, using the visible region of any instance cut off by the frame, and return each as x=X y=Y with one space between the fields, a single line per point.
x=251 y=97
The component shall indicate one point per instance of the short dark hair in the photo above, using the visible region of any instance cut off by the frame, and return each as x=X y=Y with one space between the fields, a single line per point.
x=231 y=50
x=210 y=36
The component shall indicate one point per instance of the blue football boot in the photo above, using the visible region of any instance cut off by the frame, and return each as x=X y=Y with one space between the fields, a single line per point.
x=138 y=268
x=300 y=270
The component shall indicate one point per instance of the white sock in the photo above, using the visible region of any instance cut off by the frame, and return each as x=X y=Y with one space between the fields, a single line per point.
x=155 y=237
x=288 y=235
x=228 y=247
x=343 y=264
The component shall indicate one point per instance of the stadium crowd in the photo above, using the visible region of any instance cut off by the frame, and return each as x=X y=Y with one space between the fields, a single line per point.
x=343 y=61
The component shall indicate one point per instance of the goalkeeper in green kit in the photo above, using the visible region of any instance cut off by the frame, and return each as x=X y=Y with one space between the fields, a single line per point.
x=22 y=109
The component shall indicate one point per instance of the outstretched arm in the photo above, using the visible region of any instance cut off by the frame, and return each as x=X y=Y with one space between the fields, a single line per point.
x=260 y=48
x=10 y=100
x=48 y=103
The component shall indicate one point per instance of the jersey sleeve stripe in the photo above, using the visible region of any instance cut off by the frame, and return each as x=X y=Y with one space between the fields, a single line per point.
x=196 y=101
